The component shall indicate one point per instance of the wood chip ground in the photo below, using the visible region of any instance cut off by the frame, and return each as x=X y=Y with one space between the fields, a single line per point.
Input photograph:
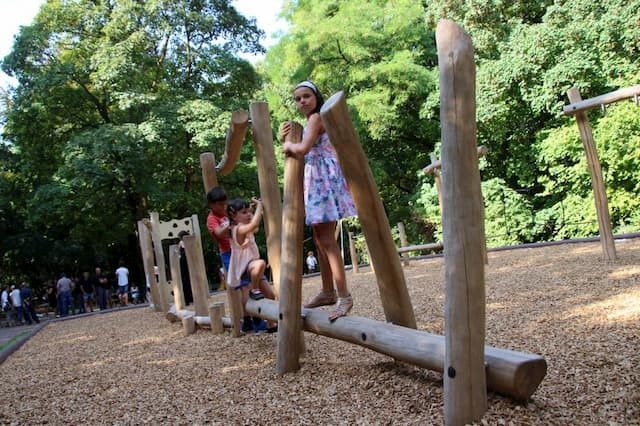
x=134 y=367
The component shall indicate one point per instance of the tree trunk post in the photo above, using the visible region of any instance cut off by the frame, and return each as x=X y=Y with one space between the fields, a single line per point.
x=197 y=274
x=403 y=242
x=176 y=277
x=465 y=389
x=289 y=322
x=268 y=181
x=375 y=224
x=163 y=286
x=216 y=312
x=354 y=254
x=235 y=310
x=597 y=181
x=189 y=325
x=147 y=259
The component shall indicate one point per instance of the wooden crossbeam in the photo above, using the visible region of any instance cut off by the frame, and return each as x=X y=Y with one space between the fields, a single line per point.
x=597 y=102
x=511 y=373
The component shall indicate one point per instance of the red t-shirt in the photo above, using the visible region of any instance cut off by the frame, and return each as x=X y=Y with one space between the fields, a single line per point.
x=214 y=222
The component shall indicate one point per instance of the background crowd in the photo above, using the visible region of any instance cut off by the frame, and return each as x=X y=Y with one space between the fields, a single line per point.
x=73 y=295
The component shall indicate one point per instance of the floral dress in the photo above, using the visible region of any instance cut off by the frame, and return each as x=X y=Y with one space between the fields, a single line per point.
x=326 y=194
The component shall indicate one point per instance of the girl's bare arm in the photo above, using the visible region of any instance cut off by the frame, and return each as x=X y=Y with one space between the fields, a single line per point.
x=313 y=130
x=244 y=229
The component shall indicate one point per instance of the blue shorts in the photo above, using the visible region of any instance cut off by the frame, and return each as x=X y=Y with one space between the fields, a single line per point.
x=226 y=259
x=123 y=289
x=88 y=296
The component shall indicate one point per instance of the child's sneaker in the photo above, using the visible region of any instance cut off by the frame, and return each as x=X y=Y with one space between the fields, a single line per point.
x=247 y=325
x=256 y=295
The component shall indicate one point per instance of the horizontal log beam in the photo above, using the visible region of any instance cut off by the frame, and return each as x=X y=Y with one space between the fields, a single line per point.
x=420 y=247
x=437 y=164
x=599 y=101
x=511 y=373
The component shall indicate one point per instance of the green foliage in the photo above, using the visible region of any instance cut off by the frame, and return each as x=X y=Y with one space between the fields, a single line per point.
x=116 y=101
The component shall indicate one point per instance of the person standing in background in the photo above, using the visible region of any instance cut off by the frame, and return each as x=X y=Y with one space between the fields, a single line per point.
x=100 y=284
x=122 y=273
x=27 y=303
x=64 y=287
x=312 y=263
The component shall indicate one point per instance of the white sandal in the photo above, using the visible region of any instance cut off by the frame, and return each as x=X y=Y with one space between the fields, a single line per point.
x=342 y=308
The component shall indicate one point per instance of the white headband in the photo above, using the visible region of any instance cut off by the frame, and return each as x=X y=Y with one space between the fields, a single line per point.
x=308 y=85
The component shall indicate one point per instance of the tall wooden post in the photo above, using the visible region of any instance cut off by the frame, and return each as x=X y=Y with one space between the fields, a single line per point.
x=268 y=181
x=176 y=277
x=438 y=180
x=163 y=287
x=354 y=254
x=403 y=242
x=197 y=275
x=465 y=395
x=290 y=322
x=147 y=259
x=597 y=181
x=391 y=282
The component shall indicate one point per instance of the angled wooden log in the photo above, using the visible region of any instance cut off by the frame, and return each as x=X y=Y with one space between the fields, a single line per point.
x=516 y=374
x=208 y=167
x=597 y=181
x=147 y=260
x=268 y=181
x=233 y=142
x=289 y=323
x=375 y=224
x=465 y=390
x=176 y=277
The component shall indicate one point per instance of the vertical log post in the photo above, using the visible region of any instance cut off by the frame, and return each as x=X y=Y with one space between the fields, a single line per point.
x=189 y=325
x=197 y=274
x=465 y=389
x=403 y=242
x=216 y=312
x=163 y=286
x=375 y=224
x=597 y=181
x=354 y=254
x=438 y=181
x=176 y=277
x=147 y=260
x=290 y=321
x=234 y=297
x=268 y=181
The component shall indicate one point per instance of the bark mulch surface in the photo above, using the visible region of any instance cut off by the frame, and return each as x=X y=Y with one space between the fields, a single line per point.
x=135 y=367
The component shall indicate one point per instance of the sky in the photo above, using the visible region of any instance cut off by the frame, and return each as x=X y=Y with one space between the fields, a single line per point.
x=21 y=12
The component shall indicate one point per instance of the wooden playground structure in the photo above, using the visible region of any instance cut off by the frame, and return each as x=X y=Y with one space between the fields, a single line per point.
x=468 y=366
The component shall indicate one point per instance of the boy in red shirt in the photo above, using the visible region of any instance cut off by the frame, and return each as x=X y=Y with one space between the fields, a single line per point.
x=218 y=223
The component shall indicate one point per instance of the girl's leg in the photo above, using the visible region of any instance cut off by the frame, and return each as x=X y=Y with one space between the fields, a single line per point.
x=325 y=268
x=256 y=272
x=328 y=247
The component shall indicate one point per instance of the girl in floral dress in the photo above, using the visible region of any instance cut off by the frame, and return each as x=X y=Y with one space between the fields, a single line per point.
x=326 y=198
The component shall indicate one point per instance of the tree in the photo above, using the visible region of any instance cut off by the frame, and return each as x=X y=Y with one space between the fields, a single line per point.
x=116 y=100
